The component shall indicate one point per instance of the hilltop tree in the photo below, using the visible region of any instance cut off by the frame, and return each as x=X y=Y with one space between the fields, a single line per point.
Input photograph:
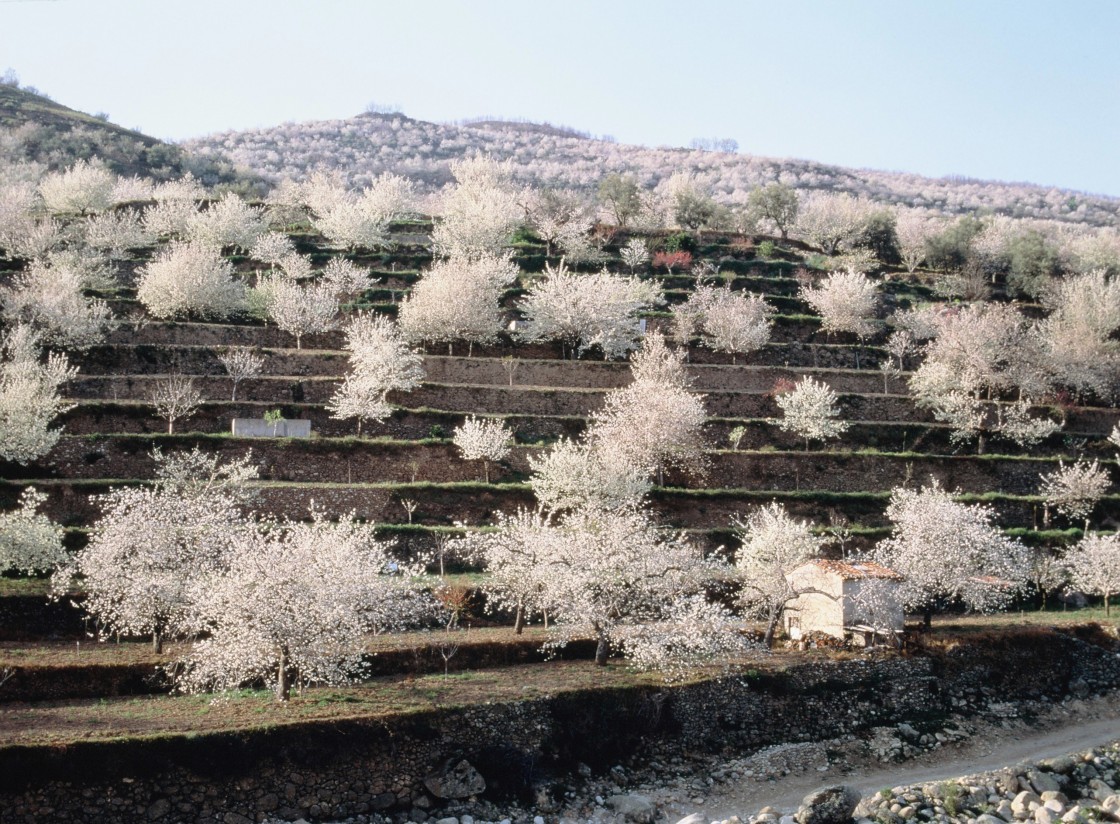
x=776 y=203
x=772 y=545
x=1094 y=567
x=152 y=543
x=190 y=279
x=380 y=362
x=584 y=311
x=294 y=602
x=29 y=540
x=950 y=552
x=29 y=398
x=482 y=439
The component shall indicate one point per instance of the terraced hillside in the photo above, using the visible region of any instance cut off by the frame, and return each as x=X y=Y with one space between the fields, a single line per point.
x=406 y=476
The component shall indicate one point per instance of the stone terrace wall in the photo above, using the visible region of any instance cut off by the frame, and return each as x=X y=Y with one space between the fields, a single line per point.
x=332 y=770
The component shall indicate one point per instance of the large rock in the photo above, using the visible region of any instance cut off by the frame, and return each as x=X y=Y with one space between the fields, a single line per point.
x=828 y=805
x=1025 y=803
x=455 y=780
x=633 y=807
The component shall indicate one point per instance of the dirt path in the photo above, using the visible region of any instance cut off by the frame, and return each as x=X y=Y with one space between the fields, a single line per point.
x=1063 y=732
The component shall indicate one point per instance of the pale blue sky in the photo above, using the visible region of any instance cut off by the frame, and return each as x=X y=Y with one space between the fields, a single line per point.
x=1002 y=89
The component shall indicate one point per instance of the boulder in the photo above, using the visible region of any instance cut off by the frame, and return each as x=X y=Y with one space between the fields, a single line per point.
x=633 y=807
x=1021 y=805
x=695 y=818
x=1043 y=782
x=988 y=819
x=828 y=805
x=456 y=779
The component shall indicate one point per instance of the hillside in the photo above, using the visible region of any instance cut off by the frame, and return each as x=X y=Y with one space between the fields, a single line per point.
x=36 y=129
x=367 y=145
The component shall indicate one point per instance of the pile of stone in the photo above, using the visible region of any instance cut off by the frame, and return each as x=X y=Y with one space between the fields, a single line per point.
x=1078 y=789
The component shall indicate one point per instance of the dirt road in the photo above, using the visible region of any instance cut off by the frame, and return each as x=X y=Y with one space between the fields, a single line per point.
x=1095 y=724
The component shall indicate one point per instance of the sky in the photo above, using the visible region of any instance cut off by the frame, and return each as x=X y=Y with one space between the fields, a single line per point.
x=1013 y=90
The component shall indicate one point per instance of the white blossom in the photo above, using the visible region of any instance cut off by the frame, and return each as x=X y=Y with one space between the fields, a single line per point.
x=227 y=222
x=634 y=254
x=29 y=399
x=295 y=601
x=380 y=362
x=587 y=310
x=29 y=540
x=84 y=187
x=175 y=397
x=458 y=299
x=773 y=545
x=572 y=474
x=846 y=302
x=170 y=218
x=655 y=422
x=115 y=233
x=300 y=309
x=948 y=551
x=152 y=545
x=483 y=439
x=49 y=296
x=811 y=410
x=1075 y=489
x=479 y=212
x=190 y=279
x=240 y=363
x=1094 y=566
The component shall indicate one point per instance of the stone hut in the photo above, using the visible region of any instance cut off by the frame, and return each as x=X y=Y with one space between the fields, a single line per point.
x=845 y=599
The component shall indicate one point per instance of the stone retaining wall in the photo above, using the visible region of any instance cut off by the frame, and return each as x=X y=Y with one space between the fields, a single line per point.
x=332 y=770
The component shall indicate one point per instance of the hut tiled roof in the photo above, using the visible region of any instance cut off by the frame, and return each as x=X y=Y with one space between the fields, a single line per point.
x=854 y=570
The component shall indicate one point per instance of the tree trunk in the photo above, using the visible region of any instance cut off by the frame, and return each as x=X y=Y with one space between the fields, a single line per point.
x=1107 y=606
x=170 y=426
x=157 y=643
x=519 y=620
x=927 y=618
x=486 y=470
x=234 y=398
x=298 y=344
x=283 y=684
x=771 y=628
x=601 y=650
